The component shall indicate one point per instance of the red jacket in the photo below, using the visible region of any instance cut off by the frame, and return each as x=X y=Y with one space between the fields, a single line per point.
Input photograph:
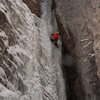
x=55 y=35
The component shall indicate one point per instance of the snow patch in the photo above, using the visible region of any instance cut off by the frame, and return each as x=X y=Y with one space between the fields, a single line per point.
x=2 y=72
x=4 y=37
x=7 y=94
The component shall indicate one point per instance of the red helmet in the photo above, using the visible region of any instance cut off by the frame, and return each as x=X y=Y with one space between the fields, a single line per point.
x=55 y=35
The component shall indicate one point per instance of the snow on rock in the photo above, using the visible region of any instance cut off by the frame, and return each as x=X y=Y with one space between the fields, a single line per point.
x=32 y=69
x=4 y=37
x=6 y=94
x=2 y=72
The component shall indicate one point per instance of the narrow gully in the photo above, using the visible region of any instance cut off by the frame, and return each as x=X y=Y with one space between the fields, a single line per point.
x=68 y=66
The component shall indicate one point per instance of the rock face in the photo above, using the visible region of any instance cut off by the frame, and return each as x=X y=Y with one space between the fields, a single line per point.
x=80 y=30
x=29 y=68
x=7 y=60
x=34 y=6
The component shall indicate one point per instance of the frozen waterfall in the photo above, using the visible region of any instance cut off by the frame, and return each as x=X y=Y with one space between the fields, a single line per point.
x=36 y=59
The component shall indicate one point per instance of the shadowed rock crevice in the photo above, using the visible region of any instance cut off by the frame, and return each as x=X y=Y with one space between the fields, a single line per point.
x=72 y=78
x=34 y=6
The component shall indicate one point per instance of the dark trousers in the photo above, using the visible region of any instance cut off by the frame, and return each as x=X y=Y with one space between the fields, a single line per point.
x=54 y=41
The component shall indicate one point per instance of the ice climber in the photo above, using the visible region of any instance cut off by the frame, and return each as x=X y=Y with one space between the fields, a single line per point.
x=54 y=38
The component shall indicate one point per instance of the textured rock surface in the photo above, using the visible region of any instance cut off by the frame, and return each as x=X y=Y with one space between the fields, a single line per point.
x=29 y=69
x=7 y=61
x=80 y=30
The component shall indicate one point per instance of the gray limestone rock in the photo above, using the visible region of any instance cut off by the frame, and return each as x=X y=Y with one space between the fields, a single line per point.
x=80 y=30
